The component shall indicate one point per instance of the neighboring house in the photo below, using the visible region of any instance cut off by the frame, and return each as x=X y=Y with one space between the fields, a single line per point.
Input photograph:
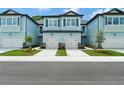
x=112 y=24
x=65 y=28
x=14 y=27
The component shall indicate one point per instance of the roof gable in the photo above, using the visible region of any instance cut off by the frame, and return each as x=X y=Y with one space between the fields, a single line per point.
x=10 y=12
x=114 y=11
x=71 y=13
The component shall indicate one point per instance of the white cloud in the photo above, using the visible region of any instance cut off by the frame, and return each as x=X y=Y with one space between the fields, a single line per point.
x=43 y=9
x=73 y=9
x=99 y=11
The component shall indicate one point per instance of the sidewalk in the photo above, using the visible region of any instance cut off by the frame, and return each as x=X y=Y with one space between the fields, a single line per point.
x=61 y=59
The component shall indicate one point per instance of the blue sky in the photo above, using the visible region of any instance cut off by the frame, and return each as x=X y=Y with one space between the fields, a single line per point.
x=87 y=12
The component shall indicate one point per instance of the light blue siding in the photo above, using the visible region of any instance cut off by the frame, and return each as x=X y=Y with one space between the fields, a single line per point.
x=32 y=30
x=92 y=29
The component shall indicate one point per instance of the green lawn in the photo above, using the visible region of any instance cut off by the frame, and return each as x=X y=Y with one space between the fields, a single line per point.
x=103 y=53
x=19 y=53
x=61 y=52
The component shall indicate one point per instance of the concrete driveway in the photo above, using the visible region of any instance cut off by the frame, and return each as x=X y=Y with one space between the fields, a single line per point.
x=61 y=73
x=76 y=53
x=47 y=52
x=118 y=50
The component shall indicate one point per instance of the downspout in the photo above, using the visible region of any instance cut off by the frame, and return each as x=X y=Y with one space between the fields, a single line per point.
x=25 y=29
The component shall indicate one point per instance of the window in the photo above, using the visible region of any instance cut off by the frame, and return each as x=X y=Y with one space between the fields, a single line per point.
x=41 y=29
x=3 y=21
x=68 y=22
x=83 y=28
x=46 y=22
x=50 y=22
x=9 y=21
x=109 y=20
x=121 y=20
x=115 y=21
x=73 y=22
x=14 y=21
x=55 y=22
x=58 y=22
x=64 y=22
x=105 y=20
x=77 y=22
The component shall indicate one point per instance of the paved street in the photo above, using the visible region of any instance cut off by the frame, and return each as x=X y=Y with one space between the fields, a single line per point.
x=61 y=73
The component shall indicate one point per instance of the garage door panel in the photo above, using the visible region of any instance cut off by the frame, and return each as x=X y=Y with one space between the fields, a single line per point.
x=71 y=43
x=113 y=43
x=52 y=43
x=9 y=42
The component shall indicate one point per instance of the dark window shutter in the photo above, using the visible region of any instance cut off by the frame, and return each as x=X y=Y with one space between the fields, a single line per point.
x=64 y=22
x=58 y=22
x=46 y=22
x=77 y=22
x=0 y=21
x=18 y=21
x=105 y=20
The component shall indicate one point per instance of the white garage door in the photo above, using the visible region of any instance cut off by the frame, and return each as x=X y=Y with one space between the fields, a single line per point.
x=9 y=42
x=71 y=43
x=114 y=43
x=52 y=43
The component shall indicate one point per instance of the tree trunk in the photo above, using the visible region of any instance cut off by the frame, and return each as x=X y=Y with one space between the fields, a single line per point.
x=99 y=46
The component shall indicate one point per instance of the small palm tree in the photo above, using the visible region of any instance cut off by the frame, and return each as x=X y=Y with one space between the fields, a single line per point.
x=28 y=39
x=100 y=39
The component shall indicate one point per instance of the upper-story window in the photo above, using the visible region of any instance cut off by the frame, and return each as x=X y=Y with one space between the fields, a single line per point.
x=109 y=20
x=55 y=22
x=9 y=21
x=83 y=29
x=68 y=22
x=73 y=22
x=50 y=23
x=115 y=20
x=121 y=20
x=15 y=21
x=3 y=21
